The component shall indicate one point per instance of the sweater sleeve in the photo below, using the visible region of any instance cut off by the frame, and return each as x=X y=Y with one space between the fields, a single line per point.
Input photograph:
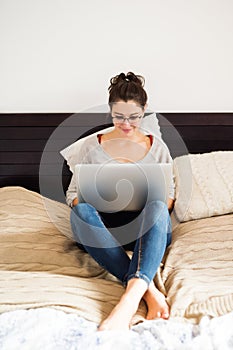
x=172 y=188
x=161 y=154
x=171 y=192
x=168 y=159
x=71 y=192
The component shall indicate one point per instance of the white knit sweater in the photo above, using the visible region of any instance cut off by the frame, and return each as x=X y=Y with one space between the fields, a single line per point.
x=93 y=152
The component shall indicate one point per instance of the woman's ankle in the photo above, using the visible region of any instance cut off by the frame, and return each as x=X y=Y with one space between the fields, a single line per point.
x=136 y=287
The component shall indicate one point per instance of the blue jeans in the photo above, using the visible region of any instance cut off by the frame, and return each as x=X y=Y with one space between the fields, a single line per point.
x=147 y=235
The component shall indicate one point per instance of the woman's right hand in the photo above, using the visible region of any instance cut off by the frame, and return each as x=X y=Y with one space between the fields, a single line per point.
x=74 y=202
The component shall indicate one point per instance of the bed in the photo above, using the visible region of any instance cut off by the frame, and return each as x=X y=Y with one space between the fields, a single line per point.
x=54 y=295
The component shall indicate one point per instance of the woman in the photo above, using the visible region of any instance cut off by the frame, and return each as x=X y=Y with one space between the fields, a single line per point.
x=126 y=143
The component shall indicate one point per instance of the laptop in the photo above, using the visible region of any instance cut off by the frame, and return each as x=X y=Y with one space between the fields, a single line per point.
x=113 y=187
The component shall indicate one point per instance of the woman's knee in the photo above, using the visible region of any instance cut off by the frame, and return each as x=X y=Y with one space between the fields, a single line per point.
x=157 y=206
x=156 y=213
x=86 y=217
x=84 y=211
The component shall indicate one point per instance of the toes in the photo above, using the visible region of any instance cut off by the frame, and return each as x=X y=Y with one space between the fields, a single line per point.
x=165 y=315
x=149 y=317
x=158 y=314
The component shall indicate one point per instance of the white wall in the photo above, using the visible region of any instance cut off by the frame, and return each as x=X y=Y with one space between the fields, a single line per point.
x=59 y=55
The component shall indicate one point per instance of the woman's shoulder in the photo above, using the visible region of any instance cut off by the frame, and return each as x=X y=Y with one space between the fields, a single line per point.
x=160 y=146
x=90 y=140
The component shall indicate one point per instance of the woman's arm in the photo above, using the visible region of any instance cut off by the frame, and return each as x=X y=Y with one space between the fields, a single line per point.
x=73 y=157
x=71 y=193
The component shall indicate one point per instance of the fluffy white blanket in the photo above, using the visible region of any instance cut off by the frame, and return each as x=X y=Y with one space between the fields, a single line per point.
x=50 y=329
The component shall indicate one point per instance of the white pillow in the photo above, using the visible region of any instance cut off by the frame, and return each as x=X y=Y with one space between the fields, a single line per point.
x=149 y=125
x=204 y=185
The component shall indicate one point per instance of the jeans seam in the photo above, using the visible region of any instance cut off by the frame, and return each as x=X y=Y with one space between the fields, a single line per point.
x=140 y=245
x=139 y=255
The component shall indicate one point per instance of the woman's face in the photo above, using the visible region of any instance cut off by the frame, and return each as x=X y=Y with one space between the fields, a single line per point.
x=127 y=117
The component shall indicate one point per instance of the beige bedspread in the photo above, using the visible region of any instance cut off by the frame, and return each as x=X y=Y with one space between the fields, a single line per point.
x=41 y=266
x=198 y=270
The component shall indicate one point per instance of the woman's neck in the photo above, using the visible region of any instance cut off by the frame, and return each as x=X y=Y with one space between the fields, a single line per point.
x=135 y=135
x=124 y=149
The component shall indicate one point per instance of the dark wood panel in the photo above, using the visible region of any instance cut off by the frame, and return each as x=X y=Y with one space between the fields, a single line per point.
x=92 y=119
x=193 y=119
x=53 y=120
x=28 y=157
x=32 y=183
x=32 y=169
x=202 y=146
x=32 y=145
x=24 y=136
x=29 y=182
x=197 y=147
x=204 y=132
x=38 y=133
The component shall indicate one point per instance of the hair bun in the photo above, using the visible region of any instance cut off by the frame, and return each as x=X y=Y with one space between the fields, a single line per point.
x=127 y=88
x=121 y=76
x=130 y=76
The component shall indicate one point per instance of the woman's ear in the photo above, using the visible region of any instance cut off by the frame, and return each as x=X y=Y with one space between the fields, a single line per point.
x=145 y=107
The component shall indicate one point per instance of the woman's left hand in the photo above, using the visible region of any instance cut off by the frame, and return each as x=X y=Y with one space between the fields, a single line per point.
x=170 y=204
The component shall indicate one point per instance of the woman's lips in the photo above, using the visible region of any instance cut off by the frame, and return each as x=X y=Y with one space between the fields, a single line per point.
x=126 y=130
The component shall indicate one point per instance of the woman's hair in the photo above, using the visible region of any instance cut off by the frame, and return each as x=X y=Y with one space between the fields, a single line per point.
x=127 y=87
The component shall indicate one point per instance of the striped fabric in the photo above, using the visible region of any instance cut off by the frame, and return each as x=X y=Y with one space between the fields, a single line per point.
x=198 y=271
x=41 y=266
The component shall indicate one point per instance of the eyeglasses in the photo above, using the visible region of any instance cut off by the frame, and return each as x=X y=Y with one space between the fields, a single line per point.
x=131 y=120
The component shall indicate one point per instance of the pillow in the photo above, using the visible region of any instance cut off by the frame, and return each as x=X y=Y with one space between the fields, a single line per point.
x=149 y=125
x=204 y=185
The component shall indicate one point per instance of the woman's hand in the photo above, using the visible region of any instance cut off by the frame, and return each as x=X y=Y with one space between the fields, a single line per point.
x=170 y=204
x=74 y=202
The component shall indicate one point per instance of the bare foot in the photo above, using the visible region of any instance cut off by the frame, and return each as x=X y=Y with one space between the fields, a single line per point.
x=156 y=303
x=121 y=315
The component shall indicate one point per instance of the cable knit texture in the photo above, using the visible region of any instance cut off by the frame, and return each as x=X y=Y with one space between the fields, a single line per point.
x=41 y=266
x=197 y=274
x=204 y=185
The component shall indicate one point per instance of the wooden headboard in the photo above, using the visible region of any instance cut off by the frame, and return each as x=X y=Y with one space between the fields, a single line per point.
x=23 y=137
